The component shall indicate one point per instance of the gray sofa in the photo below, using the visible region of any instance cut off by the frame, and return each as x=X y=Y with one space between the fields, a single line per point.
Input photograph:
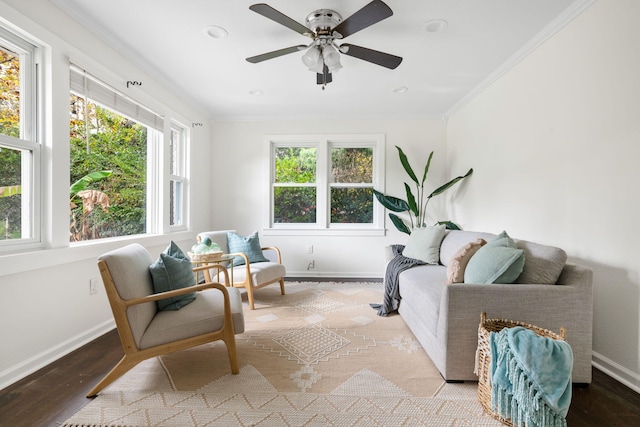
x=445 y=317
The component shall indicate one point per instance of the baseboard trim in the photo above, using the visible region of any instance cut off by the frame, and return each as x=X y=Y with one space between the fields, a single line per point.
x=336 y=275
x=17 y=372
x=618 y=372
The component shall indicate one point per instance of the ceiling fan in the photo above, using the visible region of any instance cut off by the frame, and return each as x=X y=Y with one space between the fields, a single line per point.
x=325 y=27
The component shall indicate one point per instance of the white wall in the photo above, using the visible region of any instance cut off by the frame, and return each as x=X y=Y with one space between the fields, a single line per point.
x=555 y=145
x=47 y=310
x=240 y=169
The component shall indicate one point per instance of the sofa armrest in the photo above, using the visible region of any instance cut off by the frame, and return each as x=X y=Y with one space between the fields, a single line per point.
x=568 y=305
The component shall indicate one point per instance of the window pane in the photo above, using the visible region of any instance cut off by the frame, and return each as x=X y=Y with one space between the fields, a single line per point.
x=103 y=140
x=351 y=206
x=295 y=165
x=11 y=193
x=9 y=93
x=175 y=200
x=352 y=165
x=174 y=154
x=294 y=205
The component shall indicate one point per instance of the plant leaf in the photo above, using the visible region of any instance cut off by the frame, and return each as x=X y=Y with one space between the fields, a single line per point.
x=399 y=223
x=426 y=168
x=450 y=225
x=411 y=200
x=406 y=165
x=392 y=203
x=84 y=182
x=449 y=184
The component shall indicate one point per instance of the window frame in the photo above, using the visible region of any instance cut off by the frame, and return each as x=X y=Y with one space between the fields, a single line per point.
x=30 y=140
x=324 y=143
x=100 y=91
x=181 y=175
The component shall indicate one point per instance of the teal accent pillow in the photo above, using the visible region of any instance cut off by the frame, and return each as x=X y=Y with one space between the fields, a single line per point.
x=250 y=245
x=499 y=261
x=424 y=244
x=172 y=270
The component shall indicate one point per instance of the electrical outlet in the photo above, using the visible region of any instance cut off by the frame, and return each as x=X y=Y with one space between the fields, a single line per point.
x=93 y=286
x=310 y=249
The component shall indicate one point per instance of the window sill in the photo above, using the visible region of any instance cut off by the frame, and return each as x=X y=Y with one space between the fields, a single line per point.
x=375 y=232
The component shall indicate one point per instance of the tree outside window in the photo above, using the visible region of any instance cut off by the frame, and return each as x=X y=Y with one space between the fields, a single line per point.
x=19 y=148
x=101 y=140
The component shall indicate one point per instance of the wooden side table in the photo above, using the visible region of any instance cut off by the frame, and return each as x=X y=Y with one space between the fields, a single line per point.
x=217 y=261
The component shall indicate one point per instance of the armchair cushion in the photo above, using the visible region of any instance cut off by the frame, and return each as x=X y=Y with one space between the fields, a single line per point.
x=204 y=315
x=172 y=270
x=250 y=245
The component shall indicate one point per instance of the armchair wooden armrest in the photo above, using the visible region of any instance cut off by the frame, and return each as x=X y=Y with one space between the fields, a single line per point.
x=276 y=250
x=175 y=293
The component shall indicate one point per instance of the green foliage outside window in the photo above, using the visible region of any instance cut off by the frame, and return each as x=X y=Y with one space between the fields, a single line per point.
x=10 y=159
x=116 y=144
x=350 y=182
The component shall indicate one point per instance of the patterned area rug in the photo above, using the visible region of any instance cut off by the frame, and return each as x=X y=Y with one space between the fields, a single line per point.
x=318 y=356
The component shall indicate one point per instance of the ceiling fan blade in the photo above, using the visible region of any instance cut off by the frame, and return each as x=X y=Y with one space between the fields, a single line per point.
x=276 y=53
x=271 y=13
x=325 y=77
x=374 y=56
x=373 y=12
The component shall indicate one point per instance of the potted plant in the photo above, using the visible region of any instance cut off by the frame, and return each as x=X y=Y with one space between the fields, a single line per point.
x=416 y=205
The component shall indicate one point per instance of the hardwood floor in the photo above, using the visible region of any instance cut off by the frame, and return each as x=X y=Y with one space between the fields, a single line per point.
x=51 y=395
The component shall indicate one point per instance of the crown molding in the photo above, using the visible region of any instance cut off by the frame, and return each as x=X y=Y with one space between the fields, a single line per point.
x=108 y=37
x=545 y=34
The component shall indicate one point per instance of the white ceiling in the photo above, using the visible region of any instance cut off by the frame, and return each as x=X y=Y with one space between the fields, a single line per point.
x=440 y=70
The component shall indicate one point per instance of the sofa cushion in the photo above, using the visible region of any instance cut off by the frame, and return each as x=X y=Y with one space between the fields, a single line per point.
x=458 y=264
x=499 y=261
x=543 y=264
x=455 y=239
x=424 y=244
x=421 y=288
x=172 y=270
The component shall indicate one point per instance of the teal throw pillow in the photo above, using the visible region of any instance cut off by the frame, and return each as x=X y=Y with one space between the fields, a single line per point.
x=172 y=270
x=424 y=244
x=250 y=245
x=499 y=261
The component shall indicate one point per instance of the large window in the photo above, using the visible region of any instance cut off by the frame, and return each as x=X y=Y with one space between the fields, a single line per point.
x=19 y=144
x=113 y=142
x=325 y=181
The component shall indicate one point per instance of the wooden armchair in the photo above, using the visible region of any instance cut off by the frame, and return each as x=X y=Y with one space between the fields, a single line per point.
x=145 y=331
x=251 y=276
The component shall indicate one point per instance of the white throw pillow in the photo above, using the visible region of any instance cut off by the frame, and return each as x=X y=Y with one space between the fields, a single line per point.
x=424 y=244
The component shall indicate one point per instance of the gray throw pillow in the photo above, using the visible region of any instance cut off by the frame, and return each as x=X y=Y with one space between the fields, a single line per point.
x=424 y=244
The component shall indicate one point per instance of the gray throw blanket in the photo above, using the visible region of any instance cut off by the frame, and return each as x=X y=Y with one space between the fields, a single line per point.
x=397 y=265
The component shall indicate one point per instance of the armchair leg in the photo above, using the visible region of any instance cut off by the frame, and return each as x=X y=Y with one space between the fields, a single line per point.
x=249 y=289
x=282 y=286
x=124 y=365
x=233 y=355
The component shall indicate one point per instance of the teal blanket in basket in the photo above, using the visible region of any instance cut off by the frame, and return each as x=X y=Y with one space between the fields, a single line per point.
x=531 y=377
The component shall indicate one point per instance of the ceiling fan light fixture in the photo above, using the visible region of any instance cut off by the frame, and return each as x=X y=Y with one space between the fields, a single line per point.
x=318 y=68
x=331 y=56
x=311 y=57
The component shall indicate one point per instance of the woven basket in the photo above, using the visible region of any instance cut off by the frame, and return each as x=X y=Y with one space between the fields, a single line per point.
x=209 y=257
x=483 y=356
